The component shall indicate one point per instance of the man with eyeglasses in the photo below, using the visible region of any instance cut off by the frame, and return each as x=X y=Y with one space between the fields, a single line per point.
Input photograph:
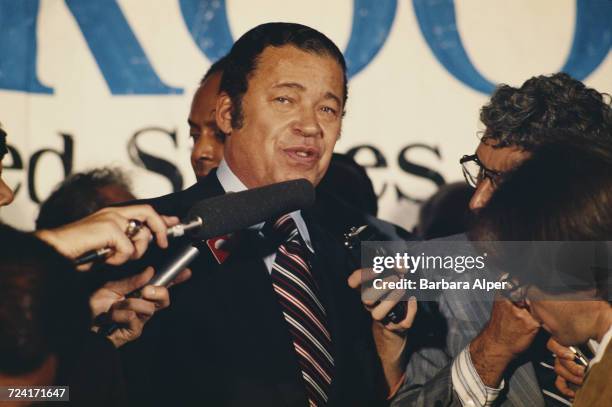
x=489 y=355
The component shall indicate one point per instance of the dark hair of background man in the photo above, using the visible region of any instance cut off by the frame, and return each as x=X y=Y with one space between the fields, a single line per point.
x=219 y=66
x=520 y=116
x=82 y=194
x=245 y=52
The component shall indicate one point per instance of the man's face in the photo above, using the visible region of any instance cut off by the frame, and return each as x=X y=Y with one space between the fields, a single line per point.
x=500 y=160
x=292 y=118
x=6 y=193
x=568 y=318
x=207 y=149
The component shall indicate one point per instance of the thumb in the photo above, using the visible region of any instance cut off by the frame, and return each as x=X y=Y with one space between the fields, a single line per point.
x=129 y=284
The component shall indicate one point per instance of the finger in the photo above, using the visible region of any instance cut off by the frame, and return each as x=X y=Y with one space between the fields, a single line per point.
x=129 y=284
x=561 y=385
x=365 y=275
x=381 y=310
x=566 y=374
x=183 y=276
x=407 y=322
x=125 y=318
x=371 y=296
x=143 y=308
x=170 y=220
x=410 y=313
x=146 y=214
x=354 y=280
x=158 y=295
x=122 y=249
x=141 y=242
x=559 y=350
x=573 y=367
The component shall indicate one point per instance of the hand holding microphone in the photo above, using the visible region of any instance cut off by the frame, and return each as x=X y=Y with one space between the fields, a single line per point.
x=229 y=213
x=125 y=232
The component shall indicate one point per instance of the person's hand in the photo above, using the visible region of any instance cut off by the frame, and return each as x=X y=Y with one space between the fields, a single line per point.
x=109 y=304
x=509 y=332
x=390 y=339
x=566 y=368
x=107 y=228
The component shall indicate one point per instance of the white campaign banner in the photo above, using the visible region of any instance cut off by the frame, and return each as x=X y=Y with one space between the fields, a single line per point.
x=90 y=83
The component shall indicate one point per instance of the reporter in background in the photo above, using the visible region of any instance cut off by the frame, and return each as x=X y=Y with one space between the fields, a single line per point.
x=208 y=140
x=45 y=339
x=570 y=190
x=82 y=194
x=44 y=325
x=466 y=368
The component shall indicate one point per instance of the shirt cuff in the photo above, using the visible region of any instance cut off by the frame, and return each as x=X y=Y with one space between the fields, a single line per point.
x=468 y=385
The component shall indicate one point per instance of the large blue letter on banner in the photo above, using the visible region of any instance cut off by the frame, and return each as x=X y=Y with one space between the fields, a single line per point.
x=121 y=59
x=208 y=25
x=18 y=46
x=439 y=27
x=592 y=40
x=372 y=21
x=592 y=37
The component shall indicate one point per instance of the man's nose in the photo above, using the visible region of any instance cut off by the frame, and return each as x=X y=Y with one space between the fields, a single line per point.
x=203 y=149
x=308 y=123
x=6 y=194
x=482 y=195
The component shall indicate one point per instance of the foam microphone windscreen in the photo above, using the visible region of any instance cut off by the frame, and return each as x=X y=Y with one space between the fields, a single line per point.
x=238 y=210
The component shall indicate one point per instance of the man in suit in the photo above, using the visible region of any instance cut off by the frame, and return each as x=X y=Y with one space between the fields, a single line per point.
x=208 y=140
x=265 y=322
x=488 y=352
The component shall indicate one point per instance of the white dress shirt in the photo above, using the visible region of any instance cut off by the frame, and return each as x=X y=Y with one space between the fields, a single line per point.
x=231 y=183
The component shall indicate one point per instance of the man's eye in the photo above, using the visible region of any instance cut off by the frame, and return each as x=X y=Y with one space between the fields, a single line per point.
x=283 y=100
x=327 y=109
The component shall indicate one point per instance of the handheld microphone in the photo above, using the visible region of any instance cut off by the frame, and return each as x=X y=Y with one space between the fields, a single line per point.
x=229 y=213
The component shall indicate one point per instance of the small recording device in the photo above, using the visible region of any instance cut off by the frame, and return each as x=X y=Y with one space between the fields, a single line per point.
x=352 y=242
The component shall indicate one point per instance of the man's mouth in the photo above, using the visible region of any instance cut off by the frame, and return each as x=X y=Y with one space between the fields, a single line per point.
x=303 y=154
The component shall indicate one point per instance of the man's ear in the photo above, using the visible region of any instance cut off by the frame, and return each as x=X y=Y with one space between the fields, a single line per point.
x=223 y=114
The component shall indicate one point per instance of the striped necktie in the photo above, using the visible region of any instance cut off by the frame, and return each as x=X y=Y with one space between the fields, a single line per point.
x=304 y=313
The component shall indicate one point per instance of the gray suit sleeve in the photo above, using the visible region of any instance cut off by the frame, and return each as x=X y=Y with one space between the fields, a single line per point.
x=437 y=392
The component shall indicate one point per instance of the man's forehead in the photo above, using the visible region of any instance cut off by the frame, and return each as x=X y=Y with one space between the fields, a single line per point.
x=500 y=158
x=204 y=100
x=289 y=64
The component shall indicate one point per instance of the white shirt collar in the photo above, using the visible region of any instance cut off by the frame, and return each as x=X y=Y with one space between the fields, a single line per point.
x=601 y=347
x=231 y=183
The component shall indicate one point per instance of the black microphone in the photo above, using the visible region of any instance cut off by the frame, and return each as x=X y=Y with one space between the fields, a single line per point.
x=229 y=213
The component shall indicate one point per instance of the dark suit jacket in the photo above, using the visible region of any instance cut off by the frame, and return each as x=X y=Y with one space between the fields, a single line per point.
x=224 y=341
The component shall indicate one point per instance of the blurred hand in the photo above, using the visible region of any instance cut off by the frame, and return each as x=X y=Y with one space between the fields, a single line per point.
x=566 y=368
x=390 y=339
x=109 y=304
x=107 y=228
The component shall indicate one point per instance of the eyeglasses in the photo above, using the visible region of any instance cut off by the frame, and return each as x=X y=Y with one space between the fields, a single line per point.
x=475 y=172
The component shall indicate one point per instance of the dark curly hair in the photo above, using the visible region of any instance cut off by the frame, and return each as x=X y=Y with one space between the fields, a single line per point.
x=521 y=116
